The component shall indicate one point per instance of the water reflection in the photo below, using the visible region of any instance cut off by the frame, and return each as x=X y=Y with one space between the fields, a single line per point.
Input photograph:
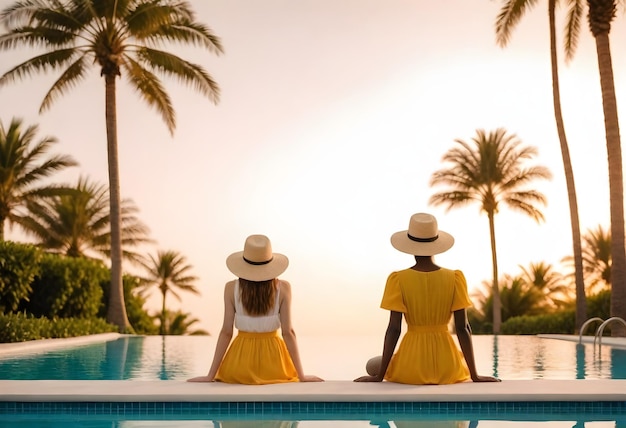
x=197 y=421
x=432 y=424
x=495 y=356
x=182 y=357
x=255 y=424
x=618 y=371
x=580 y=361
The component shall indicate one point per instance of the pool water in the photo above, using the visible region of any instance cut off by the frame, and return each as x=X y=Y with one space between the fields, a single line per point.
x=341 y=358
x=315 y=415
x=182 y=357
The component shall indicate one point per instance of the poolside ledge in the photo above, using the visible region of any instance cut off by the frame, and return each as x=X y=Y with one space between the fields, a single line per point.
x=330 y=391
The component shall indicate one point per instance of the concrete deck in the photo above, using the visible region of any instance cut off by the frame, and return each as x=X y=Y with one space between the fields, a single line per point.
x=330 y=391
x=333 y=391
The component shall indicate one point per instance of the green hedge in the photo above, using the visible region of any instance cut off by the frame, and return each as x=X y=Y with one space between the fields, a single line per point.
x=19 y=327
x=555 y=323
x=19 y=264
x=67 y=287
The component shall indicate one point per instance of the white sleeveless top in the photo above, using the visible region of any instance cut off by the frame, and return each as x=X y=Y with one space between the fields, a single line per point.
x=256 y=323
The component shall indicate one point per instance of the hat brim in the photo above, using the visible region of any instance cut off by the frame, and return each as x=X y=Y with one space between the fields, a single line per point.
x=401 y=242
x=238 y=266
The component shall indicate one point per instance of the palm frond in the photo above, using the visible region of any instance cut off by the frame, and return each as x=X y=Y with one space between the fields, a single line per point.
x=150 y=89
x=509 y=16
x=186 y=72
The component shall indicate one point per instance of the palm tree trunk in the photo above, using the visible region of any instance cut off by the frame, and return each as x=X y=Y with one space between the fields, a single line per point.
x=116 y=313
x=616 y=185
x=581 y=300
x=163 y=315
x=497 y=306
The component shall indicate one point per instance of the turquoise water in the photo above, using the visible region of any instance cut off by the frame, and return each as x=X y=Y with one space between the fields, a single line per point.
x=340 y=358
x=311 y=415
x=178 y=358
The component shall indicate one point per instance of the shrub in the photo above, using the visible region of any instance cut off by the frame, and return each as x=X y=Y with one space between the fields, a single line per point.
x=599 y=305
x=554 y=323
x=67 y=287
x=140 y=320
x=19 y=264
x=19 y=327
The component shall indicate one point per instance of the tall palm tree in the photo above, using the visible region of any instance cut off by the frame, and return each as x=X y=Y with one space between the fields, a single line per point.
x=22 y=171
x=169 y=271
x=601 y=15
x=77 y=224
x=119 y=37
x=510 y=14
x=491 y=173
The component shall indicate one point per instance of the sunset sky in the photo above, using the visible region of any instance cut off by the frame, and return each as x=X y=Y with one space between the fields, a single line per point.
x=333 y=116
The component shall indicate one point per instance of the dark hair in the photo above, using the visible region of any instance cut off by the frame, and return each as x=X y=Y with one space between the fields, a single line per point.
x=257 y=297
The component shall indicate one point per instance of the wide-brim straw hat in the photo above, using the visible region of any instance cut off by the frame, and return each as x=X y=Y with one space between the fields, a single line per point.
x=257 y=262
x=423 y=238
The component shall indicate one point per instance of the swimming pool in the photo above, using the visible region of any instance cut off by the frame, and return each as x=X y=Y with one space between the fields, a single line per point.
x=309 y=415
x=531 y=395
x=182 y=357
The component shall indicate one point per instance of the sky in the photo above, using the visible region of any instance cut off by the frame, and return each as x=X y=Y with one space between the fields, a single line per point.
x=333 y=116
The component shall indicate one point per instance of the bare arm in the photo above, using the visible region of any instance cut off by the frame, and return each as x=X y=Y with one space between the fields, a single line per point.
x=289 y=334
x=226 y=334
x=394 y=328
x=464 y=335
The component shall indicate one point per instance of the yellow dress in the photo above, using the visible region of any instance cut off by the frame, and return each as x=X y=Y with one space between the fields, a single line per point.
x=257 y=355
x=427 y=353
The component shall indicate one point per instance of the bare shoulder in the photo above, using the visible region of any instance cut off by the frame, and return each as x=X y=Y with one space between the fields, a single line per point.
x=284 y=286
x=229 y=289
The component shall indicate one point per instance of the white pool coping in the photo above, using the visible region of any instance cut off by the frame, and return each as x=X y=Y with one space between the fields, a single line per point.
x=330 y=391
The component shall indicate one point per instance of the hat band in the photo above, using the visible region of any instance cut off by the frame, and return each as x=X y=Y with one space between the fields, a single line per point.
x=258 y=263
x=416 y=239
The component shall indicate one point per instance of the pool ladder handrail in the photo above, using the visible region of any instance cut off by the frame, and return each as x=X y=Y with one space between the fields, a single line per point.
x=585 y=324
x=601 y=329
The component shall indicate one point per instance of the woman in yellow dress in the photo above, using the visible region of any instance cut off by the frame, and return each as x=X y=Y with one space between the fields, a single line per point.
x=258 y=304
x=426 y=295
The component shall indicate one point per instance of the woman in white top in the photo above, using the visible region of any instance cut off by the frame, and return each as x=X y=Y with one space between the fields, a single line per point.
x=258 y=304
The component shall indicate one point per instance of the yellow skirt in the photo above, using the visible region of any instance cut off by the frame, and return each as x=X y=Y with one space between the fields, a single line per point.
x=257 y=359
x=427 y=356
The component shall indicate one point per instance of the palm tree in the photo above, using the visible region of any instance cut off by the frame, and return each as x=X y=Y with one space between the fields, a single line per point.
x=517 y=296
x=179 y=323
x=22 y=171
x=168 y=271
x=601 y=14
x=490 y=172
x=597 y=257
x=122 y=36
x=542 y=277
x=510 y=14
x=77 y=224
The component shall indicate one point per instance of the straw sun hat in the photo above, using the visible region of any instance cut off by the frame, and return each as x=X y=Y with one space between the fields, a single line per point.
x=423 y=238
x=257 y=262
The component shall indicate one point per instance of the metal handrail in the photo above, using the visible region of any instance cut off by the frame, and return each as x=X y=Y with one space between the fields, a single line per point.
x=601 y=329
x=585 y=324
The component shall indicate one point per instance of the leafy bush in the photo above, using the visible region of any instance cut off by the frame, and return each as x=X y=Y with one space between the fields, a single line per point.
x=478 y=322
x=67 y=287
x=19 y=327
x=554 y=323
x=19 y=264
x=599 y=305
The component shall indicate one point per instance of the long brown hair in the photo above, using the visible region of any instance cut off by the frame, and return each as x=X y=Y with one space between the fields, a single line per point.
x=257 y=297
